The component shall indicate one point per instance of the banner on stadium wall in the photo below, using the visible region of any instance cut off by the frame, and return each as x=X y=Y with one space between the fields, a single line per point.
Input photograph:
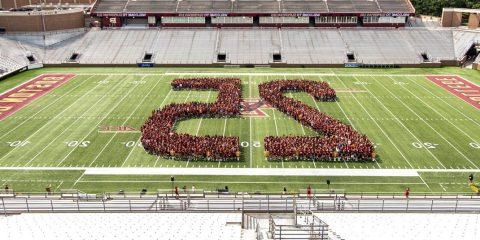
x=352 y=65
x=385 y=14
x=145 y=65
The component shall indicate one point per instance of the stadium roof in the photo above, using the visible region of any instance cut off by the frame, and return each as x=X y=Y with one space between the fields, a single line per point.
x=210 y=7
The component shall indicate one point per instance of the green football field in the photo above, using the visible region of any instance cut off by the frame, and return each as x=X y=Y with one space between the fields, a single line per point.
x=414 y=124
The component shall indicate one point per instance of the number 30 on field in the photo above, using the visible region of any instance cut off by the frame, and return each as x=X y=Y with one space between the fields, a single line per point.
x=424 y=145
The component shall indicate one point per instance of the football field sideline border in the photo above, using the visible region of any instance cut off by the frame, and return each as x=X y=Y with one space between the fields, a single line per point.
x=249 y=171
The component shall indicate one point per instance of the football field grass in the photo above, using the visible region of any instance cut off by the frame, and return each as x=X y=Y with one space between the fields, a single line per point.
x=413 y=123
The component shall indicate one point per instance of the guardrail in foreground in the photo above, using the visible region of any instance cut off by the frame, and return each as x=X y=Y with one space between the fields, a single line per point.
x=206 y=202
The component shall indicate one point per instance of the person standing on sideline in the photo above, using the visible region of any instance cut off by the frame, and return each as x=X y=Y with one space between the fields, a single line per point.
x=177 y=196
x=407 y=192
x=193 y=189
x=309 y=191
x=284 y=190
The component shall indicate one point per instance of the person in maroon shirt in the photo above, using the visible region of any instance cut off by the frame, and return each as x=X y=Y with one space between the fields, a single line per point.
x=309 y=191
x=177 y=196
x=407 y=192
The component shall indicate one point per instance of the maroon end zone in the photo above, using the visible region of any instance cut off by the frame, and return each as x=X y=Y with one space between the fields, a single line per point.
x=19 y=97
x=460 y=87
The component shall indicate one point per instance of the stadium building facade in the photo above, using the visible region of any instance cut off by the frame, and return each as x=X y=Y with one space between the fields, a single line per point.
x=254 y=13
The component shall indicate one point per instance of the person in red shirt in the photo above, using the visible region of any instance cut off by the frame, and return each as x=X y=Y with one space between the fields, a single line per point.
x=176 y=192
x=309 y=191
x=407 y=192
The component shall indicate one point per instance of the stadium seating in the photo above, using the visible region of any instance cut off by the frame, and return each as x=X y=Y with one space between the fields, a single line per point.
x=253 y=46
x=316 y=47
x=45 y=38
x=463 y=41
x=439 y=49
x=122 y=226
x=402 y=226
x=13 y=56
x=380 y=47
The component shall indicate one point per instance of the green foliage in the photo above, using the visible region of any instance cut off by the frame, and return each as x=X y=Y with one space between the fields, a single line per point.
x=434 y=7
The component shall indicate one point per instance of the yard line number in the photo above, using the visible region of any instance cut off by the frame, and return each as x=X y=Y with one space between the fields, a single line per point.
x=426 y=145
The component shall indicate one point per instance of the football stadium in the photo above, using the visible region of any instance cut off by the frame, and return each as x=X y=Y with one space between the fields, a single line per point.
x=239 y=119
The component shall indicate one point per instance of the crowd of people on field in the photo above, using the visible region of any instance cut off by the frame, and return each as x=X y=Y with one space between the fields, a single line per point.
x=339 y=141
x=159 y=138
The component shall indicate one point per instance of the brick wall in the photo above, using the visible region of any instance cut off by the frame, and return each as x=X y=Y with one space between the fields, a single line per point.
x=7 y=4
x=34 y=23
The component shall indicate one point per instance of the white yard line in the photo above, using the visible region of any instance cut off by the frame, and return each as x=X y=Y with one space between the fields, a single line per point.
x=378 y=125
x=48 y=105
x=423 y=181
x=47 y=123
x=275 y=122
x=454 y=108
x=430 y=126
x=436 y=111
x=251 y=143
x=224 y=127
x=396 y=118
x=95 y=125
x=58 y=186
x=78 y=179
x=124 y=122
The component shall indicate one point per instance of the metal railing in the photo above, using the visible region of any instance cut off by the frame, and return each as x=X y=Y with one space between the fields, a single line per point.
x=314 y=229
x=203 y=201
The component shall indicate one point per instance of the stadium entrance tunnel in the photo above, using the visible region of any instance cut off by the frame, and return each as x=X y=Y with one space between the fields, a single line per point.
x=472 y=53
x=221 y=57
x=425 y=57
x=351 y=57
x=147 y=57
x=31 y=58
x=277 y=57
x=74 y=57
